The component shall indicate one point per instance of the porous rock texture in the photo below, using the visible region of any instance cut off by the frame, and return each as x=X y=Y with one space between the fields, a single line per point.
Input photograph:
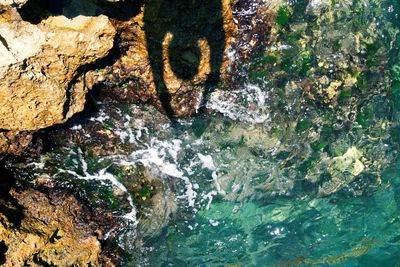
x=38 y=229
x=13 y=3
x=43 y=78
x=14 y=142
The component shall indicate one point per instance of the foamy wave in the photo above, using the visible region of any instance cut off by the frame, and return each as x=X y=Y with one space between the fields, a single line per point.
x=103 y=177
x=248 y=104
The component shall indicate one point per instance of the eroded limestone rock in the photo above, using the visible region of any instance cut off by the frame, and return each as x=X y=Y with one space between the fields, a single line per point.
x=38 y=229
x=13 y=3
x=43 y=79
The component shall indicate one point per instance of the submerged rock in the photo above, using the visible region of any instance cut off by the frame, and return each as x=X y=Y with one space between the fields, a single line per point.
x=342 y=170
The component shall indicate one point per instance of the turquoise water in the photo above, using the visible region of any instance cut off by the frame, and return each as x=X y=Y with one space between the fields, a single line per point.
x=295 y=165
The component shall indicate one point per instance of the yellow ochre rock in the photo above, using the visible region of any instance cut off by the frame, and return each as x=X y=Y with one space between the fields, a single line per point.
x=42 y=67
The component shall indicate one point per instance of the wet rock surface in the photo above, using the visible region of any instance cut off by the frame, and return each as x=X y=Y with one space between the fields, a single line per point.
x=214 y=43
x=150 y=35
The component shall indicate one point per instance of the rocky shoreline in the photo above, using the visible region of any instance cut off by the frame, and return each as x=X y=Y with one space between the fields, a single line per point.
x=60 y=62
x=49 y=229
x=51 y=56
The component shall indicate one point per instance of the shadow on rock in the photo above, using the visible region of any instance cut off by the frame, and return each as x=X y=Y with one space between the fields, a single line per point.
x=183 y=24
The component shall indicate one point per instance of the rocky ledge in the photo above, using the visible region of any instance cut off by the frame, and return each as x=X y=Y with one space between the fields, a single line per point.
x=42 y=67
x=47 y=229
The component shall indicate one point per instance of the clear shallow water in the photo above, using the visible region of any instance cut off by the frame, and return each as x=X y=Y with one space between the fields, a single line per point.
x=223 y=204
x=296 y=165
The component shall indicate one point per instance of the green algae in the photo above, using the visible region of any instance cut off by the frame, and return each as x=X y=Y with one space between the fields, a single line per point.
x=283 y=15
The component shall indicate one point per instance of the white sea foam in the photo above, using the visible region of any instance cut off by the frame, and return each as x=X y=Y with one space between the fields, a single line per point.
x=210 y=196
x=76 y=127
x=37 y=165
x=207 y=161
x=132 y=131
x=102 y=117
x=103 y=177
x=217 y=184
x=247 y=104
x=164 y=156
x=213 y=222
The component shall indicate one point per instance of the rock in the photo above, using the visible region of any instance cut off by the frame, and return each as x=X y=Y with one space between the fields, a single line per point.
x=14 y=142
x=185 y=59
x=13 y=3
x=43 y=78
x=157 y=203
x=342 y=171
x=38 y=229
x=45 y=57
x=190 y=54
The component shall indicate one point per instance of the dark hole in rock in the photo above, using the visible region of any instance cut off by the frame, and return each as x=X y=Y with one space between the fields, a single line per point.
x=6 y=178
x=14 y=215
x=55 y=236
x=40 y=262
x=3 y=250
x=36 y=11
